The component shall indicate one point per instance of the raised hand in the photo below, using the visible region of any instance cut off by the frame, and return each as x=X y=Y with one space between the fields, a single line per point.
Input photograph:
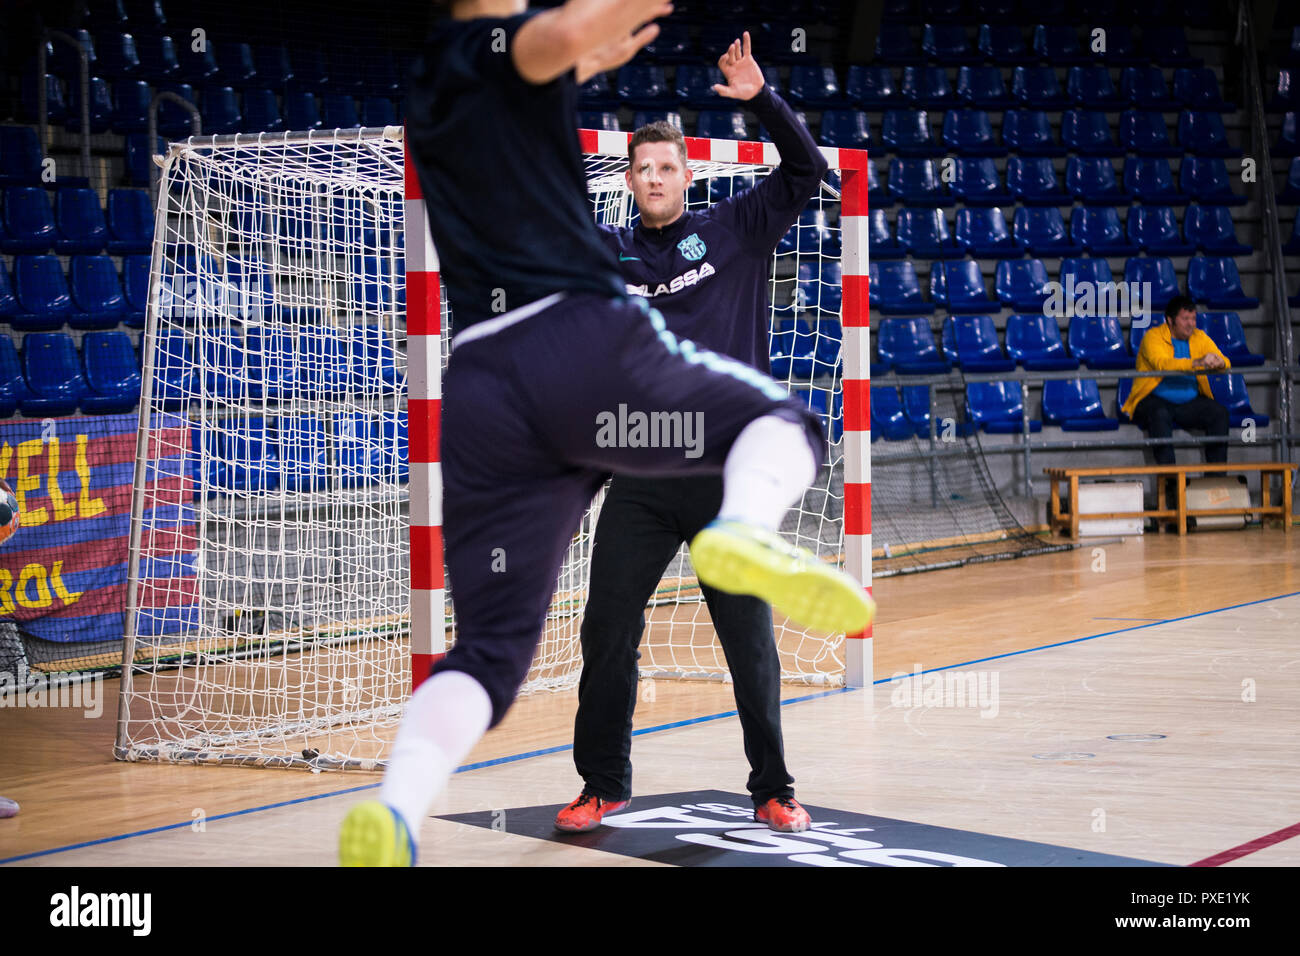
x=613 y=55
x=739 y=68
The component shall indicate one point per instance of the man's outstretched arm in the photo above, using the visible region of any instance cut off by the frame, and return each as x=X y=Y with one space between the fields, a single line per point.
x=591 y=35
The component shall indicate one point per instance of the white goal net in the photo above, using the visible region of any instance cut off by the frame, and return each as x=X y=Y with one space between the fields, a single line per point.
x=269 y=583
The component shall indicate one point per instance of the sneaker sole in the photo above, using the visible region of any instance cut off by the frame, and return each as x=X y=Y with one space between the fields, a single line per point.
x=372 y=835
x=801 y=588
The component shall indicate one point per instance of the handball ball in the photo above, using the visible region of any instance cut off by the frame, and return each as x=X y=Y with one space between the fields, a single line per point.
x=9 y=518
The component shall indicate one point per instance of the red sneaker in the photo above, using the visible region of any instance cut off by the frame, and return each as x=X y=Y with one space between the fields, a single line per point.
x=784 y=815
x=586 y=812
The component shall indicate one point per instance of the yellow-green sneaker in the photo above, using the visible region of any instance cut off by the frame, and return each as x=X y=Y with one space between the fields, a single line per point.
x=374 y=834
x=744 y=559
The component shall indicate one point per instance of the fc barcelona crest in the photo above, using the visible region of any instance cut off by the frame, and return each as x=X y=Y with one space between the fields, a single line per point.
x=692 y=247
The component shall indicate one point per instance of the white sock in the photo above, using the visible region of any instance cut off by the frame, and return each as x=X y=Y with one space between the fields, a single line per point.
x=444 y=719
x=767 y=470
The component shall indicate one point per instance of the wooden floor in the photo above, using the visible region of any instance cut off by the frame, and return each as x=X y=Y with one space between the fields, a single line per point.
x=1191 y=627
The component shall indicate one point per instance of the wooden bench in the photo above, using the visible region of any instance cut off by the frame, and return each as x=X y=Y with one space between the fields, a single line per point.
x=1067 y=519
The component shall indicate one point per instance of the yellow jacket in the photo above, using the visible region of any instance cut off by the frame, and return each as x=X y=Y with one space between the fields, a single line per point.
x=1156 y=354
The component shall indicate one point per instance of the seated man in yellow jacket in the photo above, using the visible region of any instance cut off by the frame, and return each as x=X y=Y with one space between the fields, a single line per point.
x=1158 y=404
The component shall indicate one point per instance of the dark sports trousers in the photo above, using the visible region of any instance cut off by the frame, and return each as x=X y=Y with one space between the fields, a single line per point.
x=642 y=523
x=1158 y=417
x=522 y=457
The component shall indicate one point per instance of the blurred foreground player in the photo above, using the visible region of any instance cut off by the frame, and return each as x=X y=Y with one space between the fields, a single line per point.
x=643 y=521
x=490 y=127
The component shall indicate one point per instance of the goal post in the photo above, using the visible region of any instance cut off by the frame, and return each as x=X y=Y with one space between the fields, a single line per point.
x=286 y=584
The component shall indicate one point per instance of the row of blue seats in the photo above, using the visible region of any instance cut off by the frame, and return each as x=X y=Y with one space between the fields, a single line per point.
x=1073 y=405
x=1024 y=284
x=1204 y=14
x=1039 y=231
x=117 y=55
x=20 y=159
x=93 y=296
x=125 y=109
x=77 y=224
x=1032 y=180
x=1058 y=43
x=50 y=379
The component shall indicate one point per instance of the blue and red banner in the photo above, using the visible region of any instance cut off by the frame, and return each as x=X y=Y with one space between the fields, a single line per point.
x=63 y=573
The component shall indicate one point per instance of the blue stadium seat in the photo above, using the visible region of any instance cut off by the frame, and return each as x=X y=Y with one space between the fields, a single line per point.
x=173 y=119
x=969 y=132
x=1203 y=134
x=887 y=418
x=273 y=64
x=374 y=360
x=1230 y=392
x=1144 y=132
x=224 y=362
x=896 y=290
x=879 y=196
x=139 y=158
x=1058 y=44
x=694 y=86
x=916 y=182
x=982 y=87
x=845 y=129
x=1042 y=231
x=13 y=384
x=1225 y=328
x=872 y=87
x=261 y=111
x=1075 y=405
x=673 y=118
x=1290 y=193
x=998 y=408
x=1166 y=44
x=711 y=124
x=895 y=44
x=379 y=111
x=80 y=222
x=237 y=67
x=947 y=43
x=96 y=293
x=131 y=100
x=1029 y=133
x=221 y=110
x=971 y=341
x=829 y=410
x=1288 y=143
x=1036 y=87
x=1206 y=180
x=1212 y=229
x=101 y=106
x=1004 y=44
x=830 y=342
x=28 y=221
x=916 y=408
x=960 y=286
x=116 y=56
x=1034 y=340
x=907 y=133
x=135 y=285
x=42 y=294
x=924 y=232
x=56 y=105
x=174 y=369
x=112 y=373
x=8 y=300
x=814 y=87
x=1087 y=132
x=1198 y=89
x=198 y=66
x=883 y=245
x=1149 y=179
x=1098 y=342
x=272 y=371
x=1033 y=180
x=792 y=350
x=1092 y=181
x=240 y=456
x=323 y=370
x=907 y=345
x=984 y=232
x=339 y=111
x=1159 y=273
x=1155 y=229
x=1022 y=283
x=302 y=453
x=1216 y=282
x=597 y=94
x=53 y=374
x=644 y=86
x=1098 y=229
x=672 y=45
x=157 y=55
x=250 y=293
x=814 y=236
x=1092 y=88
x=926 y=86
x=976 y=183
x=20 y=156
x=300 y=110
x=1144 y=87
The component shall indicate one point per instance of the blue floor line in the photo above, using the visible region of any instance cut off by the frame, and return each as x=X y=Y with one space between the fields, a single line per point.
x=647 y=730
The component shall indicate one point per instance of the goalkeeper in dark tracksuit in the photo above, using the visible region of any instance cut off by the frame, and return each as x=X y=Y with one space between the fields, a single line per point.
x=707 y=271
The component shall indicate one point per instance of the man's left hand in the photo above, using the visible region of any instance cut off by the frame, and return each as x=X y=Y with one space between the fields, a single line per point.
x=738 y=66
